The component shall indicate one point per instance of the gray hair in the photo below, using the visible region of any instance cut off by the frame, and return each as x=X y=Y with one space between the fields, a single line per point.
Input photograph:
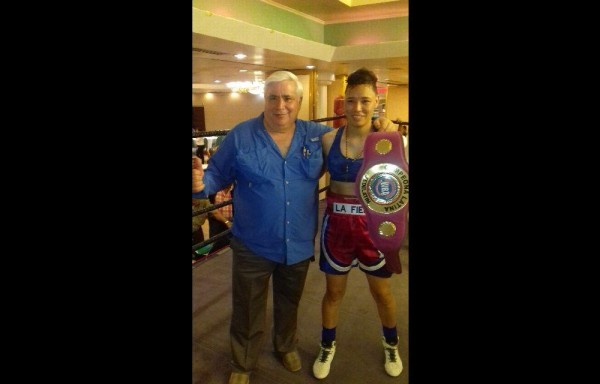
x=278 y=76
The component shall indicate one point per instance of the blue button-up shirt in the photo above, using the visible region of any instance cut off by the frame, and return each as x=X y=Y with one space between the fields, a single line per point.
x=275 y=198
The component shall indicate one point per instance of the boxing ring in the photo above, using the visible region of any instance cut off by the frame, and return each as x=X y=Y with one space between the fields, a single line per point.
x=199 y=259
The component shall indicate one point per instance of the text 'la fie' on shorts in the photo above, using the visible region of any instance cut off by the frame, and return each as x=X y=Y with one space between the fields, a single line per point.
x=345 y=240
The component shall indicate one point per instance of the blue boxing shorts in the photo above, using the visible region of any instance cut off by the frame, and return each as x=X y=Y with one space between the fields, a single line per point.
x=345 y=240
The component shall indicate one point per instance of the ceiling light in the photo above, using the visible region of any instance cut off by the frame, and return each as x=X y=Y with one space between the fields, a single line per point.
x=243 y=70
x=255 y=87
x=240 y=56
x=310 y=66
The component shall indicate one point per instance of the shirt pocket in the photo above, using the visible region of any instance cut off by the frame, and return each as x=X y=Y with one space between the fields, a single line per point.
x=252 y=165
x=312 y=160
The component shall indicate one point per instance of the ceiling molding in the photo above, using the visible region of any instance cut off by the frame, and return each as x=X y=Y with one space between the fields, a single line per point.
x=226 y=28
x=371 y=51
x=336 y=12
x=357 y=3
x=292 y=10
x=215 y=39
x=354 y=19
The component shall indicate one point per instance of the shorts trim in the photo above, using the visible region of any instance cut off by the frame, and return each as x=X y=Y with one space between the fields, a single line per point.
x=374 y=267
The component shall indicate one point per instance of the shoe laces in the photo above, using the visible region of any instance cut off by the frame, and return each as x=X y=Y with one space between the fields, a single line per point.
x=392 y=354
x=325 y=352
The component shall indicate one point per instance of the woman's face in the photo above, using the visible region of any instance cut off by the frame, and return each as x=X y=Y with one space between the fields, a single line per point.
x=359 y=105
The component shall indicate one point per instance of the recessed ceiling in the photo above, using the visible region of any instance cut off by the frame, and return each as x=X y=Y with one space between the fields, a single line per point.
x=213 y=58
x=332 y=11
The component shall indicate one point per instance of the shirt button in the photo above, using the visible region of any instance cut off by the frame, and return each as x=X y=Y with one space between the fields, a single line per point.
x=288 y=203
x=287 y=222
x=287 y=240
x=287 y=182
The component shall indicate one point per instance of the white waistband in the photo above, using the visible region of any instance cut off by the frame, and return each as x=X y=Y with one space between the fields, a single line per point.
x=348 y=209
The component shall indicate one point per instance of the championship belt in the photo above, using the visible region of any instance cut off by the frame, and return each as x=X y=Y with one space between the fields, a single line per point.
x=382 y=188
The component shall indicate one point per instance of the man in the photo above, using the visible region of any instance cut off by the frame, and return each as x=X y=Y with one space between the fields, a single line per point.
x=275 y=161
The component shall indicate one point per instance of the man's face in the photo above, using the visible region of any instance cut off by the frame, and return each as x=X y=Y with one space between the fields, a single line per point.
x=281 y=104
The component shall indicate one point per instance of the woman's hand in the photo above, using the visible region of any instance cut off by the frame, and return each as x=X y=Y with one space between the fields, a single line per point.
x=383 y=124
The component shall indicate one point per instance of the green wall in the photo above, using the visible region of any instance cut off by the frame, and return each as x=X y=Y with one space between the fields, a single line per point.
x=259 y=13
x=367 y=32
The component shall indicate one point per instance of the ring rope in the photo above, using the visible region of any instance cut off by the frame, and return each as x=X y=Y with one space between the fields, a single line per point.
x=212 y=207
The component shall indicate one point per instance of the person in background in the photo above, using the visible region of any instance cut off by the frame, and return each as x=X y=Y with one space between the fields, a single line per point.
x=197 y=232
x=345 y=240
x=200 y=149
x=275 y=161
x=198 y=220
x=221 y=219
x=404 y=131
x=212 y=151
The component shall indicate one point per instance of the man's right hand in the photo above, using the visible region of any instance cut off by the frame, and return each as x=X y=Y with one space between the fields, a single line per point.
x=197 y=175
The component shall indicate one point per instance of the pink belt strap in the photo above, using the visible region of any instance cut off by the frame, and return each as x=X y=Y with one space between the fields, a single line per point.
x=382 y=189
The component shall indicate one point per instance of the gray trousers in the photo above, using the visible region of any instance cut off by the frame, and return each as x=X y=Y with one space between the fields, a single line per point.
x=250 y=286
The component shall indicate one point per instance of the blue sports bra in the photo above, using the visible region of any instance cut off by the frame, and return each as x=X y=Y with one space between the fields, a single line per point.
x=341 y=168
